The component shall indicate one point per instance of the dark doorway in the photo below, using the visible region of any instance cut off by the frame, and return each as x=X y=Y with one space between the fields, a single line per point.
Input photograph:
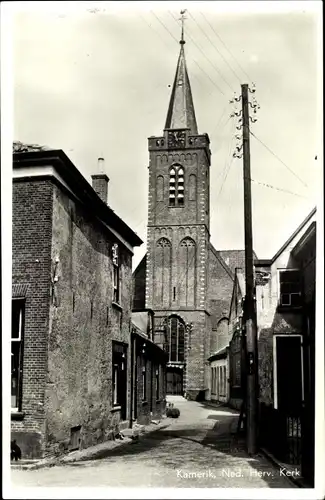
x=289 y=373
x=175 y=381
x=119 y=376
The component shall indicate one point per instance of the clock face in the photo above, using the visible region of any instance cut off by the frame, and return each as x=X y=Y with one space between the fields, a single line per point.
x=176 y=139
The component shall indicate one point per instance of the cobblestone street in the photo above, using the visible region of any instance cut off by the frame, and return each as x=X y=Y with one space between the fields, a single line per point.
x=195 y=450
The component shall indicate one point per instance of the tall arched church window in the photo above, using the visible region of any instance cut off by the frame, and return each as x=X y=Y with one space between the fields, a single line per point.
x=187 y=267
x=176 y=339
x=176 y=186
x=162 y=273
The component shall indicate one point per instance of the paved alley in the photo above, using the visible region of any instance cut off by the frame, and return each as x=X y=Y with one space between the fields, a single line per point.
x=196 y=450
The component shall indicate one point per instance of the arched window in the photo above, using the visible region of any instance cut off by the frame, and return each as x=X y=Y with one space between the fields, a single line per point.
x=162 y=273
x=187 y=267
x=176 y=186
x=175 y=339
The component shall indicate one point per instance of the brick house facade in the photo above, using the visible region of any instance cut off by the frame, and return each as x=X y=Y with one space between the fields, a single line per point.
x=285 y=310
x=72 y=302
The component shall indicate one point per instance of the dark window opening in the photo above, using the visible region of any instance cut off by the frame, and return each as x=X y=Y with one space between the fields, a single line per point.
x=116 y=275
x=17 y=334
x=290 y=288
x=75 y=438
x=175 y=343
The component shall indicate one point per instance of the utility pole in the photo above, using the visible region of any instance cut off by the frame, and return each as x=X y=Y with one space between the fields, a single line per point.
x=249 y=316
x=249 y=304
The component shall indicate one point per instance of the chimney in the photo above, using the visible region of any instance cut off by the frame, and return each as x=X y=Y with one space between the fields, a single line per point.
x=100 y=181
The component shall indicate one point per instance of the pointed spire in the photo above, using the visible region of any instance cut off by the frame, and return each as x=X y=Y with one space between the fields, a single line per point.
x=181 y=112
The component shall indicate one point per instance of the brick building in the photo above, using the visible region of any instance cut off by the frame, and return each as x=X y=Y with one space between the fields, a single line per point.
x=71 y=307
x=285 y=308
x=182 y=278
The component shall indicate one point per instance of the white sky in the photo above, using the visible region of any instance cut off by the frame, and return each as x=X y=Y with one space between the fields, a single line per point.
x=96 y=83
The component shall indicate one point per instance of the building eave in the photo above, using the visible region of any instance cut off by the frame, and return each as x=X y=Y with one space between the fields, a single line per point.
x=77 y=184
x=220 y=354
x=294 y=234
x=305 y=239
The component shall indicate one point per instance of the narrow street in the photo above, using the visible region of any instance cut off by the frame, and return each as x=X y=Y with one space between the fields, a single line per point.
x=195 y=450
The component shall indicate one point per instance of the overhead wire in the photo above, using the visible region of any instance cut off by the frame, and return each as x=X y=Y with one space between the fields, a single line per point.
x=203 y=71
x=277 y=188
x=223 y=43
x=164 y=41
x=207 y=58
x=279 y=159
x=207 y=36
x=228 y=162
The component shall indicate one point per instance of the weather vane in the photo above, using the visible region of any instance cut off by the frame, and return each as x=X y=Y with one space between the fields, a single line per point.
x=182 y=19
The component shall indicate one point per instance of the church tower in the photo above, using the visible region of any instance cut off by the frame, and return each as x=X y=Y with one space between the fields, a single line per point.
x=178 y=238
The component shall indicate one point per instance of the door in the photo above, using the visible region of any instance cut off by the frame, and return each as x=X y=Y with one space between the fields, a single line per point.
x=289 y=375
x=175 y=381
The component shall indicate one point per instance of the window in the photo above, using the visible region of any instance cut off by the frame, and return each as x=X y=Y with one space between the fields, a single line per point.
x=176 y=187
x=17 y=327
x=290 y=288
x=119 y=367
x=116 y=274
x=176 y=337
x=162 y=273
x=187 y=272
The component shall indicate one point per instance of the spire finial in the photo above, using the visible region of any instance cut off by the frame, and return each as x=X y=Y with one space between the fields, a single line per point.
x=182 y=18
